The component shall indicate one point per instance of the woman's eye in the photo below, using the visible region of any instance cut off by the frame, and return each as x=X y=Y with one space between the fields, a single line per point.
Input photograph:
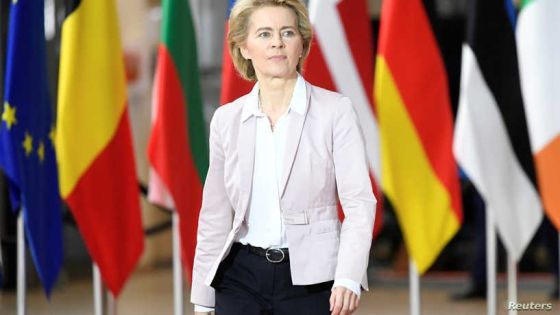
x=288 y=33
x=264 y=34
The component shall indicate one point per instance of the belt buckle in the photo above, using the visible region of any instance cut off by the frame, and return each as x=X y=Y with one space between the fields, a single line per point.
x=272 y=250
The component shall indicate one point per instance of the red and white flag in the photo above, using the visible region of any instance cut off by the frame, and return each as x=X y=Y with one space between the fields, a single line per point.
x=342 y=59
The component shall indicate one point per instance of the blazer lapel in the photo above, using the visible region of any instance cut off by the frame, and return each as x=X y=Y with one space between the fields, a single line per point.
x=246 y=153
x=292 y=141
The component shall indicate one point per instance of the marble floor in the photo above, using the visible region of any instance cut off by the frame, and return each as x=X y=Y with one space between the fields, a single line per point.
x=150 y=292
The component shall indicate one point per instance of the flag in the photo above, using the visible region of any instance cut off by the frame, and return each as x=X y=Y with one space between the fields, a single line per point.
x=233 y=85
x=538 y=44
x=342 y=59
x=491 y=139
x=3 y=202
x=27 y=154
x=420 y=176
x=177 y=148
x=97 y=167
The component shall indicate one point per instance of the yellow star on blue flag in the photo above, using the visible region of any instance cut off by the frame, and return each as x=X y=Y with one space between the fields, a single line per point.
x=9 y=115
x=26 y=155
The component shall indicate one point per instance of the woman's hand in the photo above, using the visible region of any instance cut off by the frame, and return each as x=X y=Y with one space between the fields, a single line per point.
x=343 y=301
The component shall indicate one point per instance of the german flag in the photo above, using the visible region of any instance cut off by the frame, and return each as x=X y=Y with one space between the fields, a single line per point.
x=96 y=163
x=420 y=176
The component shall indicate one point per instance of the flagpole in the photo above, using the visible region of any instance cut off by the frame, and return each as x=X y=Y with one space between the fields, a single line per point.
x=111 y=303
x=490 y=263
x=97 y=291
x=512 y=283
x=21 y=285
x=414 y=279
x=177 y=267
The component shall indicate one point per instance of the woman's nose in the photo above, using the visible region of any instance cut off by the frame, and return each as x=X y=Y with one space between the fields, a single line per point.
x=277 y=41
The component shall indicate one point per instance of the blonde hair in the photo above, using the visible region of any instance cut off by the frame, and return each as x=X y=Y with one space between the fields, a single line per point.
x=239 y=24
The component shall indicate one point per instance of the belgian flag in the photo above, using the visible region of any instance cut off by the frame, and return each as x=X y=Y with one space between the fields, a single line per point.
x=94 y=146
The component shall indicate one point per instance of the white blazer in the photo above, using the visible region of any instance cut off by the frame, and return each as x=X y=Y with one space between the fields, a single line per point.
x=325 y=162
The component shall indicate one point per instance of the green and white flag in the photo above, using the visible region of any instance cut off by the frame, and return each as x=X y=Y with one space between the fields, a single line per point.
x=538 y=46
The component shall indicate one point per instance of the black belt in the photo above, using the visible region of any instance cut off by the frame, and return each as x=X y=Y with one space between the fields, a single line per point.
x=273 y=255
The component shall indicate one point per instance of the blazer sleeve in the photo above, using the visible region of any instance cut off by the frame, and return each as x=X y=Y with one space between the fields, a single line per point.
x=215 y=219
x=355 y=194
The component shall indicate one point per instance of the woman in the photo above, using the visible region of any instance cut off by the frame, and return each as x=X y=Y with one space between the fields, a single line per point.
x=281 y=157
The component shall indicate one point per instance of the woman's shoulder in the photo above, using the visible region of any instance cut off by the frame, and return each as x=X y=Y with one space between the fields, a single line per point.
x=328 y=99
x=323 y=94
x=231 y=109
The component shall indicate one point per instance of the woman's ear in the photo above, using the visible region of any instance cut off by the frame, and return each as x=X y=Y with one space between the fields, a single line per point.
x=244 y=52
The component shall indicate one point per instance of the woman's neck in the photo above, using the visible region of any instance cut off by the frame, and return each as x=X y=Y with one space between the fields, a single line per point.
x=275 y=94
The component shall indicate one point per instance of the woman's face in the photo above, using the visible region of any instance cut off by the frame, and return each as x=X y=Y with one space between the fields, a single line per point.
x=273 y=43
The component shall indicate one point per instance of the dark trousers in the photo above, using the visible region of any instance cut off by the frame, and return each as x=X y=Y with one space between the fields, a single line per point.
x=247 y=284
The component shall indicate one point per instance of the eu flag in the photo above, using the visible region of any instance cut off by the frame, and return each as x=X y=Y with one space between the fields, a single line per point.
x=27 y=153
